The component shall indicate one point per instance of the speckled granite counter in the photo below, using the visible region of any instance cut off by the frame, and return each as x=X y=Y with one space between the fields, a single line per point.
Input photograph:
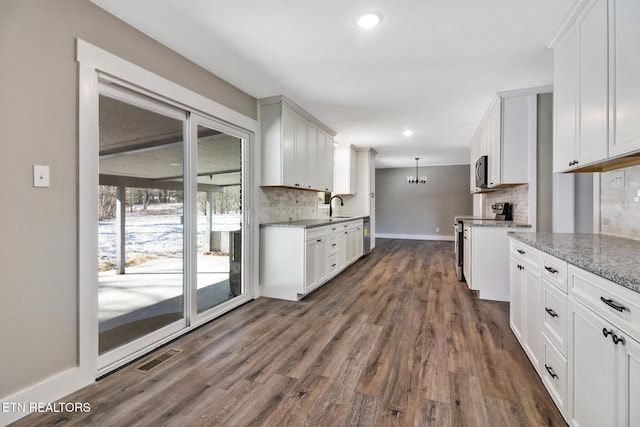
x=613 y=258
x=313 y=222
x=495 y=223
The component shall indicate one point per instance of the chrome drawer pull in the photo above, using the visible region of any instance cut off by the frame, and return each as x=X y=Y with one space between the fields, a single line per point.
x=613 y=305
x=551 y=312
x=551 y=269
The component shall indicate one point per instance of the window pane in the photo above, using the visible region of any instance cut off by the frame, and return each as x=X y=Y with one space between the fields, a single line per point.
x=140 y=222
x=219 y=218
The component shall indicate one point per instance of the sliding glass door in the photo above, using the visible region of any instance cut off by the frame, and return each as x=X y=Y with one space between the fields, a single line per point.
x=141 y=220
x=170 y=222
x=219 y=215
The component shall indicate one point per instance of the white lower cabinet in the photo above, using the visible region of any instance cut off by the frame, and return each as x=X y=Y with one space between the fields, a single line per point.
x=589 y=358
x=525 y=313
x=604 y=352
x=315 y=263
x=538 y=315
x=295 y=261
x=593 y=369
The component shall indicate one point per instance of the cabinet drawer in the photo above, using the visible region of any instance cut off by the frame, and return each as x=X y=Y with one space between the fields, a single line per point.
x=615 y=303
x=317 y=232
x=332 y=264
x=554 y=270
x=332 y=242
x=526 y=254
x=554 y=372
x=554 y=315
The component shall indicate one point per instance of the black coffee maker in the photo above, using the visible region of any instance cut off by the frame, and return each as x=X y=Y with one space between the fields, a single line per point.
x=502 y=211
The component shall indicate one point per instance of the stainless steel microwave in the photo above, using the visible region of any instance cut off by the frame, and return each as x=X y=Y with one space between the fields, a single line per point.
x=482 y=172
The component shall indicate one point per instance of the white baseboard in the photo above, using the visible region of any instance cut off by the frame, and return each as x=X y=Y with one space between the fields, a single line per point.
x=415 y=236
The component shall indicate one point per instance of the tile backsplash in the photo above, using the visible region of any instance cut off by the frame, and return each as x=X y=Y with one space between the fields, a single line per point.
x=279 y=204
x=517 y=196
x=620 y=203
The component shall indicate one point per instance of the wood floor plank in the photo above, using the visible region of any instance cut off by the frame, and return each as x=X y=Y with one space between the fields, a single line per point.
x=394 y=340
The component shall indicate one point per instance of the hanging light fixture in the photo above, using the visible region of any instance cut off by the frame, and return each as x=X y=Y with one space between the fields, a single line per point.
x=417 y=179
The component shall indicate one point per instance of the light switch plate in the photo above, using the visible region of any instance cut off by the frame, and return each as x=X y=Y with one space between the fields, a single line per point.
x=40 y=176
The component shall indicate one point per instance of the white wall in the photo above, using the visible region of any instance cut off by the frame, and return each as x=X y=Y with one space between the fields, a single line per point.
x=406 y=210
x=38 y=118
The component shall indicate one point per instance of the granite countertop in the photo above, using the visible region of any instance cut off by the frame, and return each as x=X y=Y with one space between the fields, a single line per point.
x=495 y=223
x=612 y=258
x=312 y=222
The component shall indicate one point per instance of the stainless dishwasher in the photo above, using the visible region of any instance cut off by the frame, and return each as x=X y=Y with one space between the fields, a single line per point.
x=366 y=235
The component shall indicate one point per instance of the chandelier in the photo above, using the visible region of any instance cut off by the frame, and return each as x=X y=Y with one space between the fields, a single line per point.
x=417 y=179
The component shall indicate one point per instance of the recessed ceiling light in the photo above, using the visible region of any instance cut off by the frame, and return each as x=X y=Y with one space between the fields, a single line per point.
x=368 y=20
x=407 y=132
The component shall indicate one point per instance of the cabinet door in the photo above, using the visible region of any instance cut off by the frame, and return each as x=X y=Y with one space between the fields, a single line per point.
x=321 y=261
x=288 y=147
x=592 y=369
x=565 y=80
x=343 y=249
x=309 y=267
x=593 y=83
x=624 y=68
x=473 y=153
x=515 y=306
x=532 y=324
x=629 y=384
x=466 y=255
x=359 y=242
x=493 y=132
x=301 y=153
x=325 y=158
x=314 y=160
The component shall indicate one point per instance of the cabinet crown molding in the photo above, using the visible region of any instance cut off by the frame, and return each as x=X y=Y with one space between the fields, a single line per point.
x=281 y=99
x=568 y=22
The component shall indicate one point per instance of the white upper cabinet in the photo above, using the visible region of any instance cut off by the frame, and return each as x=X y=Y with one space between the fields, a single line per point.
x=624 y=76
x=565 y=101
x=597 y=87
x=324 y=162
x=592 y=86
x=346 y=170
x=297 y=150
x=506 y=135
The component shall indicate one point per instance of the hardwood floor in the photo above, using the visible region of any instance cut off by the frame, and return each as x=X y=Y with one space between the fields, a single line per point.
x=394 y=340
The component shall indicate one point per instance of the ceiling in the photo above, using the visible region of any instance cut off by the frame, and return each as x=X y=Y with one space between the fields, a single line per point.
x=431 y=66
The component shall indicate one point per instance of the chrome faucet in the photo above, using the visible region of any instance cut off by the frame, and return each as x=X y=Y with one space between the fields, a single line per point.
x=331 y=208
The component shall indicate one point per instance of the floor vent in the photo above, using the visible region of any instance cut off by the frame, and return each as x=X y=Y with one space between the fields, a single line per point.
x=157 y=361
